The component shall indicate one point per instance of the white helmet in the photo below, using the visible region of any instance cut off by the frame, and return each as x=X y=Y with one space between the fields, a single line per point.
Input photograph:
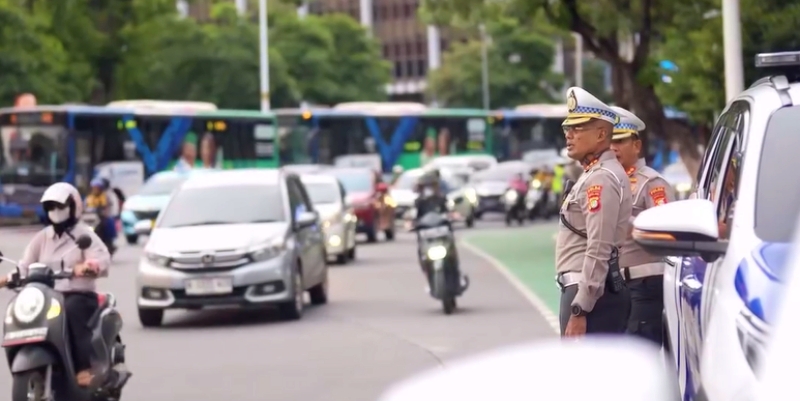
x=61 y=192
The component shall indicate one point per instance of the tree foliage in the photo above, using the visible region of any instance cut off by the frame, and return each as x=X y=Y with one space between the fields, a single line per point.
x=78 y=51
x=519 y=62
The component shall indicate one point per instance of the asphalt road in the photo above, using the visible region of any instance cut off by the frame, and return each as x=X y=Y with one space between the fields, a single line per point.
x=378 y=328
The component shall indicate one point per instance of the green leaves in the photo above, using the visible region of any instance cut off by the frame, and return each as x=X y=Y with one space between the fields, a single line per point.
x=73 y=51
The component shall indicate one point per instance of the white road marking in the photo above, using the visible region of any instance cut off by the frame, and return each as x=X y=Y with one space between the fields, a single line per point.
x=529 y=295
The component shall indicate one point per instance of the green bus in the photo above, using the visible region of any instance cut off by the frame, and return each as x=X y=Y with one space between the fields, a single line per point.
x=399 y=133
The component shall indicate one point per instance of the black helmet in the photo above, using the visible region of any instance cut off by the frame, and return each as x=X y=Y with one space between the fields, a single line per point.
x=427 y=179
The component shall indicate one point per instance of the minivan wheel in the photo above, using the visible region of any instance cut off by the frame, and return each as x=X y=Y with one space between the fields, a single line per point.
x=151 y=317
x=293 y=310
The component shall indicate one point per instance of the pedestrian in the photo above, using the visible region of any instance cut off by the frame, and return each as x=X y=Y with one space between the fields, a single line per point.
x=594 y=218
x=643 y=272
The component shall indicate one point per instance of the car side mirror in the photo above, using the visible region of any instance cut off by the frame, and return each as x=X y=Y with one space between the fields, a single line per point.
x=540 y=370
x=143 y=227
x=682 y=228
x=306 y=219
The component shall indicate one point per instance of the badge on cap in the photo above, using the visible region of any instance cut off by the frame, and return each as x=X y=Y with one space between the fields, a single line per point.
x=593 y=197
x=572 y=101
x=659 y=196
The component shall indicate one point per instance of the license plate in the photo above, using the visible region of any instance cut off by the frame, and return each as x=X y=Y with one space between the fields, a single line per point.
x=25 y=336
x=209 y=286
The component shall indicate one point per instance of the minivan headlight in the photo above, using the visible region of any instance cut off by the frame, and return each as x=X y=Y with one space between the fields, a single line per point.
x=28 y=304
x=267 y=251
x=157 y=259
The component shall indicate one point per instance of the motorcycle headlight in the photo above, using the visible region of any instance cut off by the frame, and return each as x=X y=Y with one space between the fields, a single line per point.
x=471 y=195
x=389 y=201
x=511 y=196
x=536 y=184
x=28 y=305
x=268 y=251
x=437 y=252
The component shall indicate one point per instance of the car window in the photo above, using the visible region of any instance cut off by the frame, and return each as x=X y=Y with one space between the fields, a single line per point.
x=309 y=206
x=243 y=204
x=777 y=189
x=323 y=193
x=296 y=202
x=356 y=182
x=161 y=185
x=717 y=160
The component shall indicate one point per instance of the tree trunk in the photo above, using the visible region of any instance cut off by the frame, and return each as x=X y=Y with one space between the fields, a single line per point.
x=643 y=101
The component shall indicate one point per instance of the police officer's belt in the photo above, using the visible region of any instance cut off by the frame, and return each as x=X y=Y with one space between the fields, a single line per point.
x=641 y=271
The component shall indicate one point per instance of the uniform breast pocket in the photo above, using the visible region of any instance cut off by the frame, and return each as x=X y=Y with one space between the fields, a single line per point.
x=574 y=215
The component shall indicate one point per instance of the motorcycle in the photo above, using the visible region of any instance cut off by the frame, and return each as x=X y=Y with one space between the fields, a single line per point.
x=37 y=344
x=539 y=202
x=514 y=203
x=439 y=259
x=92 y=219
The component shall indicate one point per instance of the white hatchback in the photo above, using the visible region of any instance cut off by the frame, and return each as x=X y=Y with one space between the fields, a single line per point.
x=729 y=244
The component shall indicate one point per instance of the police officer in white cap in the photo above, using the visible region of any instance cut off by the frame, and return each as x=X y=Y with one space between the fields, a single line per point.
x=643 y=272
x=594 y=218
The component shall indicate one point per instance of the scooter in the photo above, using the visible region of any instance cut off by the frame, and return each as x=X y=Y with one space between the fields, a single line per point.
x=514 y=203
x=37 y=344
x=439 y=259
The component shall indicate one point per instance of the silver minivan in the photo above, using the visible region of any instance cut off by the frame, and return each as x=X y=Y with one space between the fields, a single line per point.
x=237 y=238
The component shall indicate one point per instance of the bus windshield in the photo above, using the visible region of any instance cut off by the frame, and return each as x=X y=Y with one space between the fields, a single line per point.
x=34 y=155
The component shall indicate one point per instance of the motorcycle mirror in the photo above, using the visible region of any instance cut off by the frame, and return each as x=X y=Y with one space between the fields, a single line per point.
x=84 y=242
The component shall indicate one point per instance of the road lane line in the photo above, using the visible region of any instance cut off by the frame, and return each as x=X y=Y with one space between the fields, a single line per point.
x=529 y=295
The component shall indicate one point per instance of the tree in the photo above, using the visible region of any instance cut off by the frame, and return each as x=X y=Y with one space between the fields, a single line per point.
x=608 y=29
x=519 y=62
x=696 y=47
x=33 y=61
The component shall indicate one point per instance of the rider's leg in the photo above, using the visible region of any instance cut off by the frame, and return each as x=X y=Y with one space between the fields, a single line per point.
x=80 y=306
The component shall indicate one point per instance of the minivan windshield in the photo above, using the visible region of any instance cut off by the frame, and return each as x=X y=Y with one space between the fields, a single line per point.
x=230 y=204
x=323 y=193
x=778 y=194
x=161 y=185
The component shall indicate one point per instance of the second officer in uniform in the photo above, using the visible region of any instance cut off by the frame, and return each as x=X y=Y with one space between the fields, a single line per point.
x=594 y=223
x=643 y=272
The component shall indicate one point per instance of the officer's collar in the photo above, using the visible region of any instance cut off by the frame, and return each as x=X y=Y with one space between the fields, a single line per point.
x=639 y=164
x=589 y=161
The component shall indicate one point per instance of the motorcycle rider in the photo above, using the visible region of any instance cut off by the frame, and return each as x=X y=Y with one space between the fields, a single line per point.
x=430 y=197
x=56 y=243
x=99 y=201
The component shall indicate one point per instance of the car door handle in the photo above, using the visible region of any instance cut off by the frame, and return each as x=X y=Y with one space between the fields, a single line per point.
x=691 y=283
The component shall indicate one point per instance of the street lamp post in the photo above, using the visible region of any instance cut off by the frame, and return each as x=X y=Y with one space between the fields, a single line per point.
x=263 y=46
x=484 y=68
x=732 y=38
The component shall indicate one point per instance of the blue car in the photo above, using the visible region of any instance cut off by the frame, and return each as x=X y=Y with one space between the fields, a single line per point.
x=153 y=196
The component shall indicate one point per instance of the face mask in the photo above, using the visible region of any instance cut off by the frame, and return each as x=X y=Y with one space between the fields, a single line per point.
x=58 y=216
x=427 y=192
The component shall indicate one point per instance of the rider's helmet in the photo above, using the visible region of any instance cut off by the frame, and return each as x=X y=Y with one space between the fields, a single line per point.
x=63 y=205
x=428 y=180
x=98 y=182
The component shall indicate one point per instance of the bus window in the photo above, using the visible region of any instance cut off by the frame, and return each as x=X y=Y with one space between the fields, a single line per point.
x=34 y=155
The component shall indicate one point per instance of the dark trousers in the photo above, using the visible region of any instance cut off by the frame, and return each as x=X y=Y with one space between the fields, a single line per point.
x=80 y=306
x=610 y=313
x=647 y=306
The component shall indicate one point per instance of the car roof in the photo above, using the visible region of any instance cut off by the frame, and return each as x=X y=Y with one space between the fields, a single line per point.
x=318 y=179
x=177 y=174
x=223 y=178
x=351 y=170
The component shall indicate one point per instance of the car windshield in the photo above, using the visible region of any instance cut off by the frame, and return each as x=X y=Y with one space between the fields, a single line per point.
x=498 y=174
x=408 y=180
x=241 y=204
x=161 y=185
x=323 y=193
x=778 y=195
x=355 y=182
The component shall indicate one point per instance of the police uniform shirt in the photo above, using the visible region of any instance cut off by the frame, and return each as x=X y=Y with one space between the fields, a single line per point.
x=600 y=205
x=649 y=189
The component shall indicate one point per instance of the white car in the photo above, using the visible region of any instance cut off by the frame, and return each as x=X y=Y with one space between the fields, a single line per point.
x=731 y=242
x=462 y=199
x=338 y=219
x=472 y=162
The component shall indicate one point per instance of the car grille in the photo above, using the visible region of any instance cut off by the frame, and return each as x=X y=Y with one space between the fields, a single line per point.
x=149 y=215
x=222 y=260
x=494 y=199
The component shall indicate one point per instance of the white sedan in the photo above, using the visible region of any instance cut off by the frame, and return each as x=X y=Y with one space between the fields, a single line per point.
x=338 y=219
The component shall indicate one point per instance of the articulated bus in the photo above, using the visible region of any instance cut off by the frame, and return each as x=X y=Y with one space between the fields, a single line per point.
x=124 y=141
x=405 y=134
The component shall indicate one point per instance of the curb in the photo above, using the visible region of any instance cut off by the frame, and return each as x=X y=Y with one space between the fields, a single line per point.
x=529 y=295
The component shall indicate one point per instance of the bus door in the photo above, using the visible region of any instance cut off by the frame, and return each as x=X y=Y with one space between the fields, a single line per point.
x=231 y=143
x=331 y=136
x=460 y=135
x=296 y=142
x=33 y=157
x=101 y=146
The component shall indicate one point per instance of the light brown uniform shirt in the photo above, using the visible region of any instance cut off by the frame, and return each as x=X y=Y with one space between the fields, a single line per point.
x=48 y=248
x=600 y=205
x=649 y=189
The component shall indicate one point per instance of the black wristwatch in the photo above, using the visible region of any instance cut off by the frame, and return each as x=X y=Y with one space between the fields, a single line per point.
x=578 y=311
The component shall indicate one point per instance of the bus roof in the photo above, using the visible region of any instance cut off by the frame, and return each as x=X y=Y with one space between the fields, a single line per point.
x=380 y=109
x=144 y=106
x=231 y=113
x=80 y=109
